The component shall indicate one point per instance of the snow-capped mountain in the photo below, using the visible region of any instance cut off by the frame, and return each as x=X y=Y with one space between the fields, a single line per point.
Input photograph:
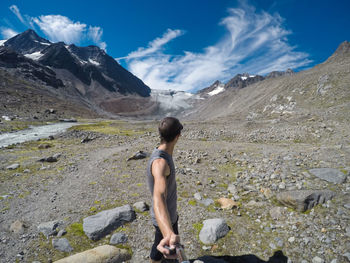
x=88 y=64
x=85 y=74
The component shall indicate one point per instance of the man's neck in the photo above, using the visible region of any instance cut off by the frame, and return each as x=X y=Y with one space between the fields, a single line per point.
x=167 y=147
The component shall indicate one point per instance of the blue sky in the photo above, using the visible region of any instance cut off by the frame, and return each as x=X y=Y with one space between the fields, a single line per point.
x=187 y=45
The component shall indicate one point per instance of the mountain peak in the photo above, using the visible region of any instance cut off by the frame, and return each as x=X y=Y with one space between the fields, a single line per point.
x=343 y=50
x=27 y=42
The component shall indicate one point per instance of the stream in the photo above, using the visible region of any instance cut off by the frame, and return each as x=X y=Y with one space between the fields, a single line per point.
x=34 y=133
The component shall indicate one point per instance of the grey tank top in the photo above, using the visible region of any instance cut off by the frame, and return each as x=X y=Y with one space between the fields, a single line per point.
x=171 y=198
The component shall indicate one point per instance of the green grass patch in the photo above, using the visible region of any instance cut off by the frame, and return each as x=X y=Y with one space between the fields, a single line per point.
x=192 y=202
x=108 y=127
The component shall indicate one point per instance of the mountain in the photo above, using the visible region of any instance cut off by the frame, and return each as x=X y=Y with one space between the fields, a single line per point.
x=87 y=74
x=319 y=93
x=242 y=80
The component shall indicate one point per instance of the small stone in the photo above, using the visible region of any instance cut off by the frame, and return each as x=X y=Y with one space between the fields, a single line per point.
x=232 y=189
x=26 y=171
x=198 y=261
x=61 y=233
x=62 y=244
x=13 y=166
x=48 y=228
x=282 y=185
x=44 y=146
x=272 y=246
x=291 y=239
x=197 y=196
x=347 y=206
x=317 y=260
x=227 y=203
x=118 y=238
x=276 y=212
x=17 y=227
x=138 y=155
x=141 y=206
x=207 y=201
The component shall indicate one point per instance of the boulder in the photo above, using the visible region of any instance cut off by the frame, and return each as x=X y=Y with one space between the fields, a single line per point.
x=62 y=244
x=329 y=174
x=99 y=254
x=212 y=230
x=101 y=224
x=118 y=238
x=303 y=200
x=48 y=228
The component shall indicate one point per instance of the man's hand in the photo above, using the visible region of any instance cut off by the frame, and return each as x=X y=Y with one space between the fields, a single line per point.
x=171 y=242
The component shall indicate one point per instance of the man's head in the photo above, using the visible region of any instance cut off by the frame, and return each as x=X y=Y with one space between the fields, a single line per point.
x=169 y=128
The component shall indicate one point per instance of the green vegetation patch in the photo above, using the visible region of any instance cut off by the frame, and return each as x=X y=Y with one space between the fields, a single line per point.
x=109 y=127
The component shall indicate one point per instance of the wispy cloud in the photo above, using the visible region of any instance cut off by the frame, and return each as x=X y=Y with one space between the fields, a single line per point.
x=155 y=45
x=61 y=28
x=7 y=32
x=16 y=11
x=256 y=42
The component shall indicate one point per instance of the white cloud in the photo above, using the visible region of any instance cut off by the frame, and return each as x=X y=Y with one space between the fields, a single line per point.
x=7 y=32
x=16 y=11
x=154 y=45
x=61 y=28
x=255 y=43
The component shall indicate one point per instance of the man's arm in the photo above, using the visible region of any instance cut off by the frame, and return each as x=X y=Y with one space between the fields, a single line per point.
x=160 y=169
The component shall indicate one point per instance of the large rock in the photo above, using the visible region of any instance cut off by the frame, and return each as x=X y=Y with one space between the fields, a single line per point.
x=62 y=244
x=99 y=254
x=329 y=174
x=212 y=230
x=303 y=200
x=101 y=224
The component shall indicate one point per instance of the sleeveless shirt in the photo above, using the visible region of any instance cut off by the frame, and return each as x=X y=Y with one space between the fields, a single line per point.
x=171 y=198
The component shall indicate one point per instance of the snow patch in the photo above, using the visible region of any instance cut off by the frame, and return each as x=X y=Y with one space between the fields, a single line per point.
x=244 y=78
x=94 y=62
x=42 y=43
x=251 y=76
x=34 y=56
x=6 y=118
x=217 y=90
x=2 y=42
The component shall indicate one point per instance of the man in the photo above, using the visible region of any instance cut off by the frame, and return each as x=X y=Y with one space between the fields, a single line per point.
x=162 y=184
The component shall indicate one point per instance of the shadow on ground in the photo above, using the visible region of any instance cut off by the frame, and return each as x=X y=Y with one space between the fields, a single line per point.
x=277 y=257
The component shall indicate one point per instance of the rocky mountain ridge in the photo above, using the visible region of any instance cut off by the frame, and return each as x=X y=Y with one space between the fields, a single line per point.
x=83 y=75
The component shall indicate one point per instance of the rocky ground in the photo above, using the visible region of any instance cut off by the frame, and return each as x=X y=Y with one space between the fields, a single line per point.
x=248 y=162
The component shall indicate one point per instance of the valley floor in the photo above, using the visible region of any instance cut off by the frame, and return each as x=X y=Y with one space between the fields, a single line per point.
x=258 y=160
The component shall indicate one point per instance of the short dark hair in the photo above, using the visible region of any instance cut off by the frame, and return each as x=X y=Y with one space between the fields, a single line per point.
x=169 y=128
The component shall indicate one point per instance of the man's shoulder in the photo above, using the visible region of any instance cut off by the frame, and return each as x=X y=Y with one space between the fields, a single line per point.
x=160 y=164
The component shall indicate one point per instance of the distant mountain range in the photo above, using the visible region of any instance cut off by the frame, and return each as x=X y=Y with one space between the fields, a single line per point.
x=240 y=81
